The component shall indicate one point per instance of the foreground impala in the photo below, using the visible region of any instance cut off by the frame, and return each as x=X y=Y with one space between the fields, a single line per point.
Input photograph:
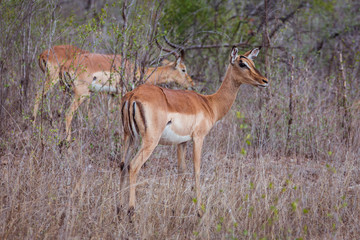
x=164 y=116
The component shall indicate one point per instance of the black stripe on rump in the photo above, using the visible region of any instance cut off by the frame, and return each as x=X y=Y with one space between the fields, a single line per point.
x=125 y=117
x=122 y=114
x=142 y=114
x=133 y=115
x=44 y=62
x=129 y=118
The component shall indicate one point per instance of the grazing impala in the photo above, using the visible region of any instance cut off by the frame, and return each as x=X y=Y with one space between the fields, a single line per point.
x=50 y=62
x=97 y=72
x=165 y=116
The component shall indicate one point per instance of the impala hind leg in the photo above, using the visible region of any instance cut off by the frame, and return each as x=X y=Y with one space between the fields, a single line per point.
x=123 y=164
x=78 y=100
x=123 y=168
x=41 y=93
x=88 y=109
x=125 y=151
x=147 y=147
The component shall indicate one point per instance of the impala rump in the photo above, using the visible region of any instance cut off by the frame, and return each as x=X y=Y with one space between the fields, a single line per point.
x=175 y=116
x=133 y=117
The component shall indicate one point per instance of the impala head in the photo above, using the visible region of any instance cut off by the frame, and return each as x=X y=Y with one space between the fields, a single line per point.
x=178 y=73
x=245 y=70
x=177 y=70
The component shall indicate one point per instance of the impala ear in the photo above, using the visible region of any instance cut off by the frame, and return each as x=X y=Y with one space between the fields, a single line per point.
x=252 y=54
x=165 y=62
x=234 y=54
x=178 y=60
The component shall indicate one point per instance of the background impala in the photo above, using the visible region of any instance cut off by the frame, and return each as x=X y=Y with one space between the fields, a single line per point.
x=87 y=72
x=50 y=63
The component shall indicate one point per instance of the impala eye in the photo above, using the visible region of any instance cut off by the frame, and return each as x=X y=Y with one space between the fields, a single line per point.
x=184 y=70
x=242 y=65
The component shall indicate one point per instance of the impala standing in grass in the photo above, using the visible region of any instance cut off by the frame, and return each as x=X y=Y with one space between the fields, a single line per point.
x=164 y=116
x=50 y=62
x=92 y=72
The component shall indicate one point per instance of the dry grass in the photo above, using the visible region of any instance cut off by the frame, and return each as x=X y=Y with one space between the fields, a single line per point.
x=48 y=193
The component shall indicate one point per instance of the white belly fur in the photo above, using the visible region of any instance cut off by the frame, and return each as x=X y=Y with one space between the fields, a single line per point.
x=103 y=82
x=102 y=88
x=169 y=137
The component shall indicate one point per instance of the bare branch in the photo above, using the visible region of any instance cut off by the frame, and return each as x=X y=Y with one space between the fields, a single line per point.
x=286 y=18
x=201 y=46
x=167 y=50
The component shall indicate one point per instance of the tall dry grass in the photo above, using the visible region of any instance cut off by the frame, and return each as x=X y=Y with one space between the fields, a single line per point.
x=252 y=186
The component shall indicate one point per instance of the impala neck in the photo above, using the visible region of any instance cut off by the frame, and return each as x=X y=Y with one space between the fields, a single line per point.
x=156 y=75
x=223 y=99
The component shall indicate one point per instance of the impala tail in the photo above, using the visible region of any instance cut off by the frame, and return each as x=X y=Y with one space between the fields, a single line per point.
x=42 y=62
x=133 y=117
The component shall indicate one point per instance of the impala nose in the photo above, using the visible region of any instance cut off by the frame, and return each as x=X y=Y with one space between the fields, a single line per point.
x=264 y=84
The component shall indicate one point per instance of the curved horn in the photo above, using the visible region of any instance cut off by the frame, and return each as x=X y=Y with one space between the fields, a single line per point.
x=167 y=50
x=173 y=45
x=176 y=46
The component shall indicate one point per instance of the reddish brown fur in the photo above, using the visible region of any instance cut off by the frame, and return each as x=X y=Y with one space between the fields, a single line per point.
x=50 y=62
x=83 y=67
x=185 y=114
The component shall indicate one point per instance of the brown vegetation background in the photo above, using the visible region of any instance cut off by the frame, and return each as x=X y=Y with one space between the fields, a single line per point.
x=283 y=164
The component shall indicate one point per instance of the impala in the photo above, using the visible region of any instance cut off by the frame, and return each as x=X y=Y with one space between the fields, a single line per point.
x=164 y=116
x=97 y=73
x=50 y=62
x=93 y=72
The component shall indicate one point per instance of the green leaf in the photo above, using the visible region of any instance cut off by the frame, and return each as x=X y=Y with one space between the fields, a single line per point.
x=218 y=227
x=294 y=205
x=243 y=151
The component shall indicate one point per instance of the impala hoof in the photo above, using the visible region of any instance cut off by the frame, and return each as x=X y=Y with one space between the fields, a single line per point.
x=131 y=213
x=118 y=212
x=200 y=213
x=63 y=144
x=121 y=165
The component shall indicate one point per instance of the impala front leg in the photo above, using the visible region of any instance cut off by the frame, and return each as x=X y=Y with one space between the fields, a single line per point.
x=198 y=142
x=181 y=151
